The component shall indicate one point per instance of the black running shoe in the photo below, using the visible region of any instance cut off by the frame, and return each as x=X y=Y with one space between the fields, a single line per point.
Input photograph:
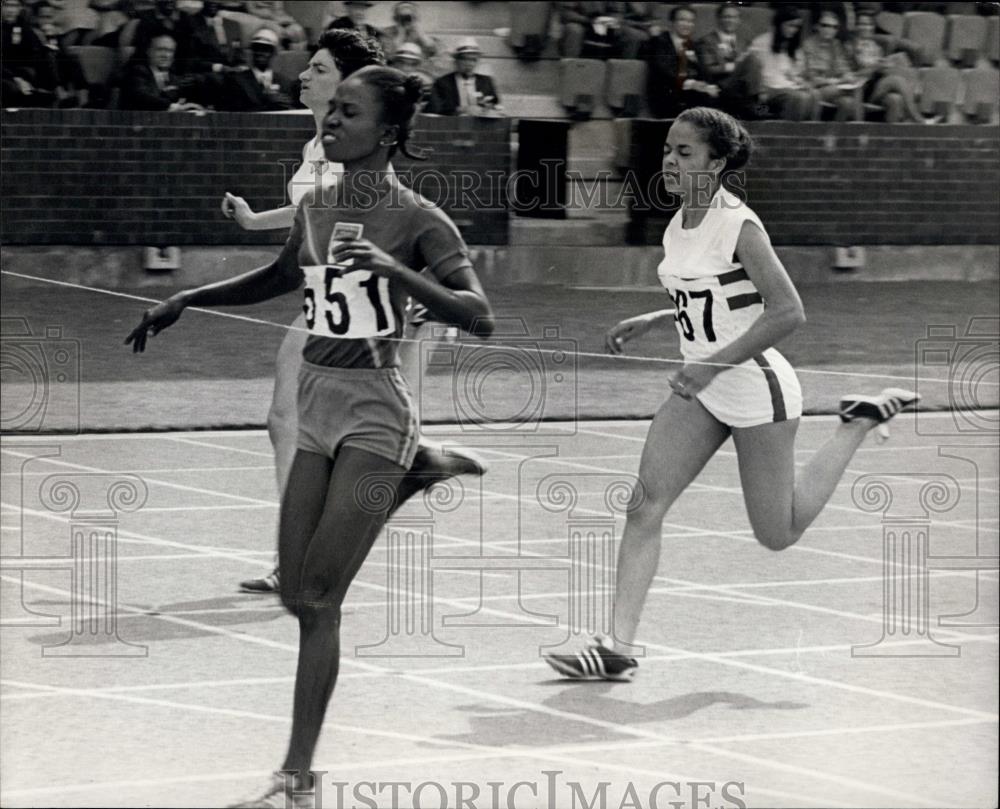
x=434 y=464
x=271 y=583
x=597 y=661
x=880 y=408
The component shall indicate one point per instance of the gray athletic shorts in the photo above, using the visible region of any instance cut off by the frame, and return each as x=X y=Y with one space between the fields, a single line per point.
x=367 y=408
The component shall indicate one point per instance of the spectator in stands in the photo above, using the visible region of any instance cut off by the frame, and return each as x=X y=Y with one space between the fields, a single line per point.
x=29 y=77
x=152 y=20
x=464 y=91
x=726 y=61
x=827 y=70
x=357 y=20
x=673 y=66
x=291 y=33
x=410 y=60
x=885 y=81
x=70 y=88
x=150 y=83
x=258 y=89
x=406 y=30
x=599 y=30
x=779 y=50
x=202 y=46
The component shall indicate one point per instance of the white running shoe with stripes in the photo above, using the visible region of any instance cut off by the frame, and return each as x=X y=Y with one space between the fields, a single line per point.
x=880 y=408
x=598 y=660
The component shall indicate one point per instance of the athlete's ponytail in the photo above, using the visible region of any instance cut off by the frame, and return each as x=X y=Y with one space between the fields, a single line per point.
x=400 y=94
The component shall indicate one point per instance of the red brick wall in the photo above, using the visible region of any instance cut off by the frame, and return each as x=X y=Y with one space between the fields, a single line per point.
x=99 y=177
x=853 y=184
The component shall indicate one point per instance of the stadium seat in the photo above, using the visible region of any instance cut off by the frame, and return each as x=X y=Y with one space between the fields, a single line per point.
x=626 y=87
x=926 y=30
x=309 y=15
x=890 y=22
x=581 y=80
x=755 y=20
x=529 y=25
x=993 y=39
x=966 y=38
x=982 y=91
x=939 y=94
x=289 y=64
x=97 y=64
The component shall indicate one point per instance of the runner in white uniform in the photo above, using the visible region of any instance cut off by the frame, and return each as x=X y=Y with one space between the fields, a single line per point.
x=339 y=54
x=733 y=301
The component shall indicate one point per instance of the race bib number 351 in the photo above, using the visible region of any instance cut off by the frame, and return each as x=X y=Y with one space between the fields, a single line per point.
x=352 y=305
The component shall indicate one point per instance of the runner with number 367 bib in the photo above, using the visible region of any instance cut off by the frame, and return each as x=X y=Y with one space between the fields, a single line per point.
x=733 y=301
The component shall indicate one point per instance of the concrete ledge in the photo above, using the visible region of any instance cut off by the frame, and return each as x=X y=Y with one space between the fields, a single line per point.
x=566 y=265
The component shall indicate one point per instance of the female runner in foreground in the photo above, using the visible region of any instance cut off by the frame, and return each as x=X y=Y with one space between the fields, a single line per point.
x=734 y=302
x=360 y=253
x=340 y=53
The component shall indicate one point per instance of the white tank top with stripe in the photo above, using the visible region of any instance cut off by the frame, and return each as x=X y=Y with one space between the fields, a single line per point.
x=313 y=168
x=714 y=298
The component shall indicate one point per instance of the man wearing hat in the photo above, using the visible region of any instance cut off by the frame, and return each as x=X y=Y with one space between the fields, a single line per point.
x=463 y=92
x=258 y=89
x=409 y=59
x=406 y=30
x=355 y=20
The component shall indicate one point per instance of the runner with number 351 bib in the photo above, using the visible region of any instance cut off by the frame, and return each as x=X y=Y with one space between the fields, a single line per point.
x=733 y=302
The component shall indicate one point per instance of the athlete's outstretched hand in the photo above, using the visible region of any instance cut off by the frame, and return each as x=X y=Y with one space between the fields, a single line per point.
x=691 y=379
x=153 y=322
x=365 y=256
x=234 y=207
x=626 y=330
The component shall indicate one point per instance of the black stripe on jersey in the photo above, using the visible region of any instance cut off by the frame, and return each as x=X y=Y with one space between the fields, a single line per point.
x=743 y=301
x=733 y=276
x=774 y=386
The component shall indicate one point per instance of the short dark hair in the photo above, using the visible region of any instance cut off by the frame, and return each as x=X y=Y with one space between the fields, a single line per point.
x=351 y=50
x=678 y=9
x=725 y=7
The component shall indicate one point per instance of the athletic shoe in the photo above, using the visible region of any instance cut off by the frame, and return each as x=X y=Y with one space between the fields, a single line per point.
x=879 y=408
x=434 y=464
x=271 y=583
x=278 y=796
x=597 y=661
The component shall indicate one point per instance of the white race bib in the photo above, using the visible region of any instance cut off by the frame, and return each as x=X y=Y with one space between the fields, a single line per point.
x=349 y=306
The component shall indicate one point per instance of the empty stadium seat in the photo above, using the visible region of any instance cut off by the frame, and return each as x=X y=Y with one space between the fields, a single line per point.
x=982 y=91
x=289 y=64
x=626 y=91
x=993 y=39
x=926 y=30
x=704 y=18
x=966 y=38
x=891 y=22
x=529 y=25
x=940 y=86
x=581 y=80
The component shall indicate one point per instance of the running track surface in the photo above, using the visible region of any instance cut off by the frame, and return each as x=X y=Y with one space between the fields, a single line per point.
x=748 y=677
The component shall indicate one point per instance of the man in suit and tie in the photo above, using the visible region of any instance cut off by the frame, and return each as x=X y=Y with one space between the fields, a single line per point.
x=726 y=62
x=151 y=84
x=202 y=45
x=258 y=89
x=464 y=92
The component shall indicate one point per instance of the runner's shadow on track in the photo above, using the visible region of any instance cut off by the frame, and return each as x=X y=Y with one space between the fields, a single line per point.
x=595 y=701
x=154 y=623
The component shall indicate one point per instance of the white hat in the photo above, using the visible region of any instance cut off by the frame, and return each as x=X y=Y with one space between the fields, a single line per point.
x=467 y=46
x=265 y=36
